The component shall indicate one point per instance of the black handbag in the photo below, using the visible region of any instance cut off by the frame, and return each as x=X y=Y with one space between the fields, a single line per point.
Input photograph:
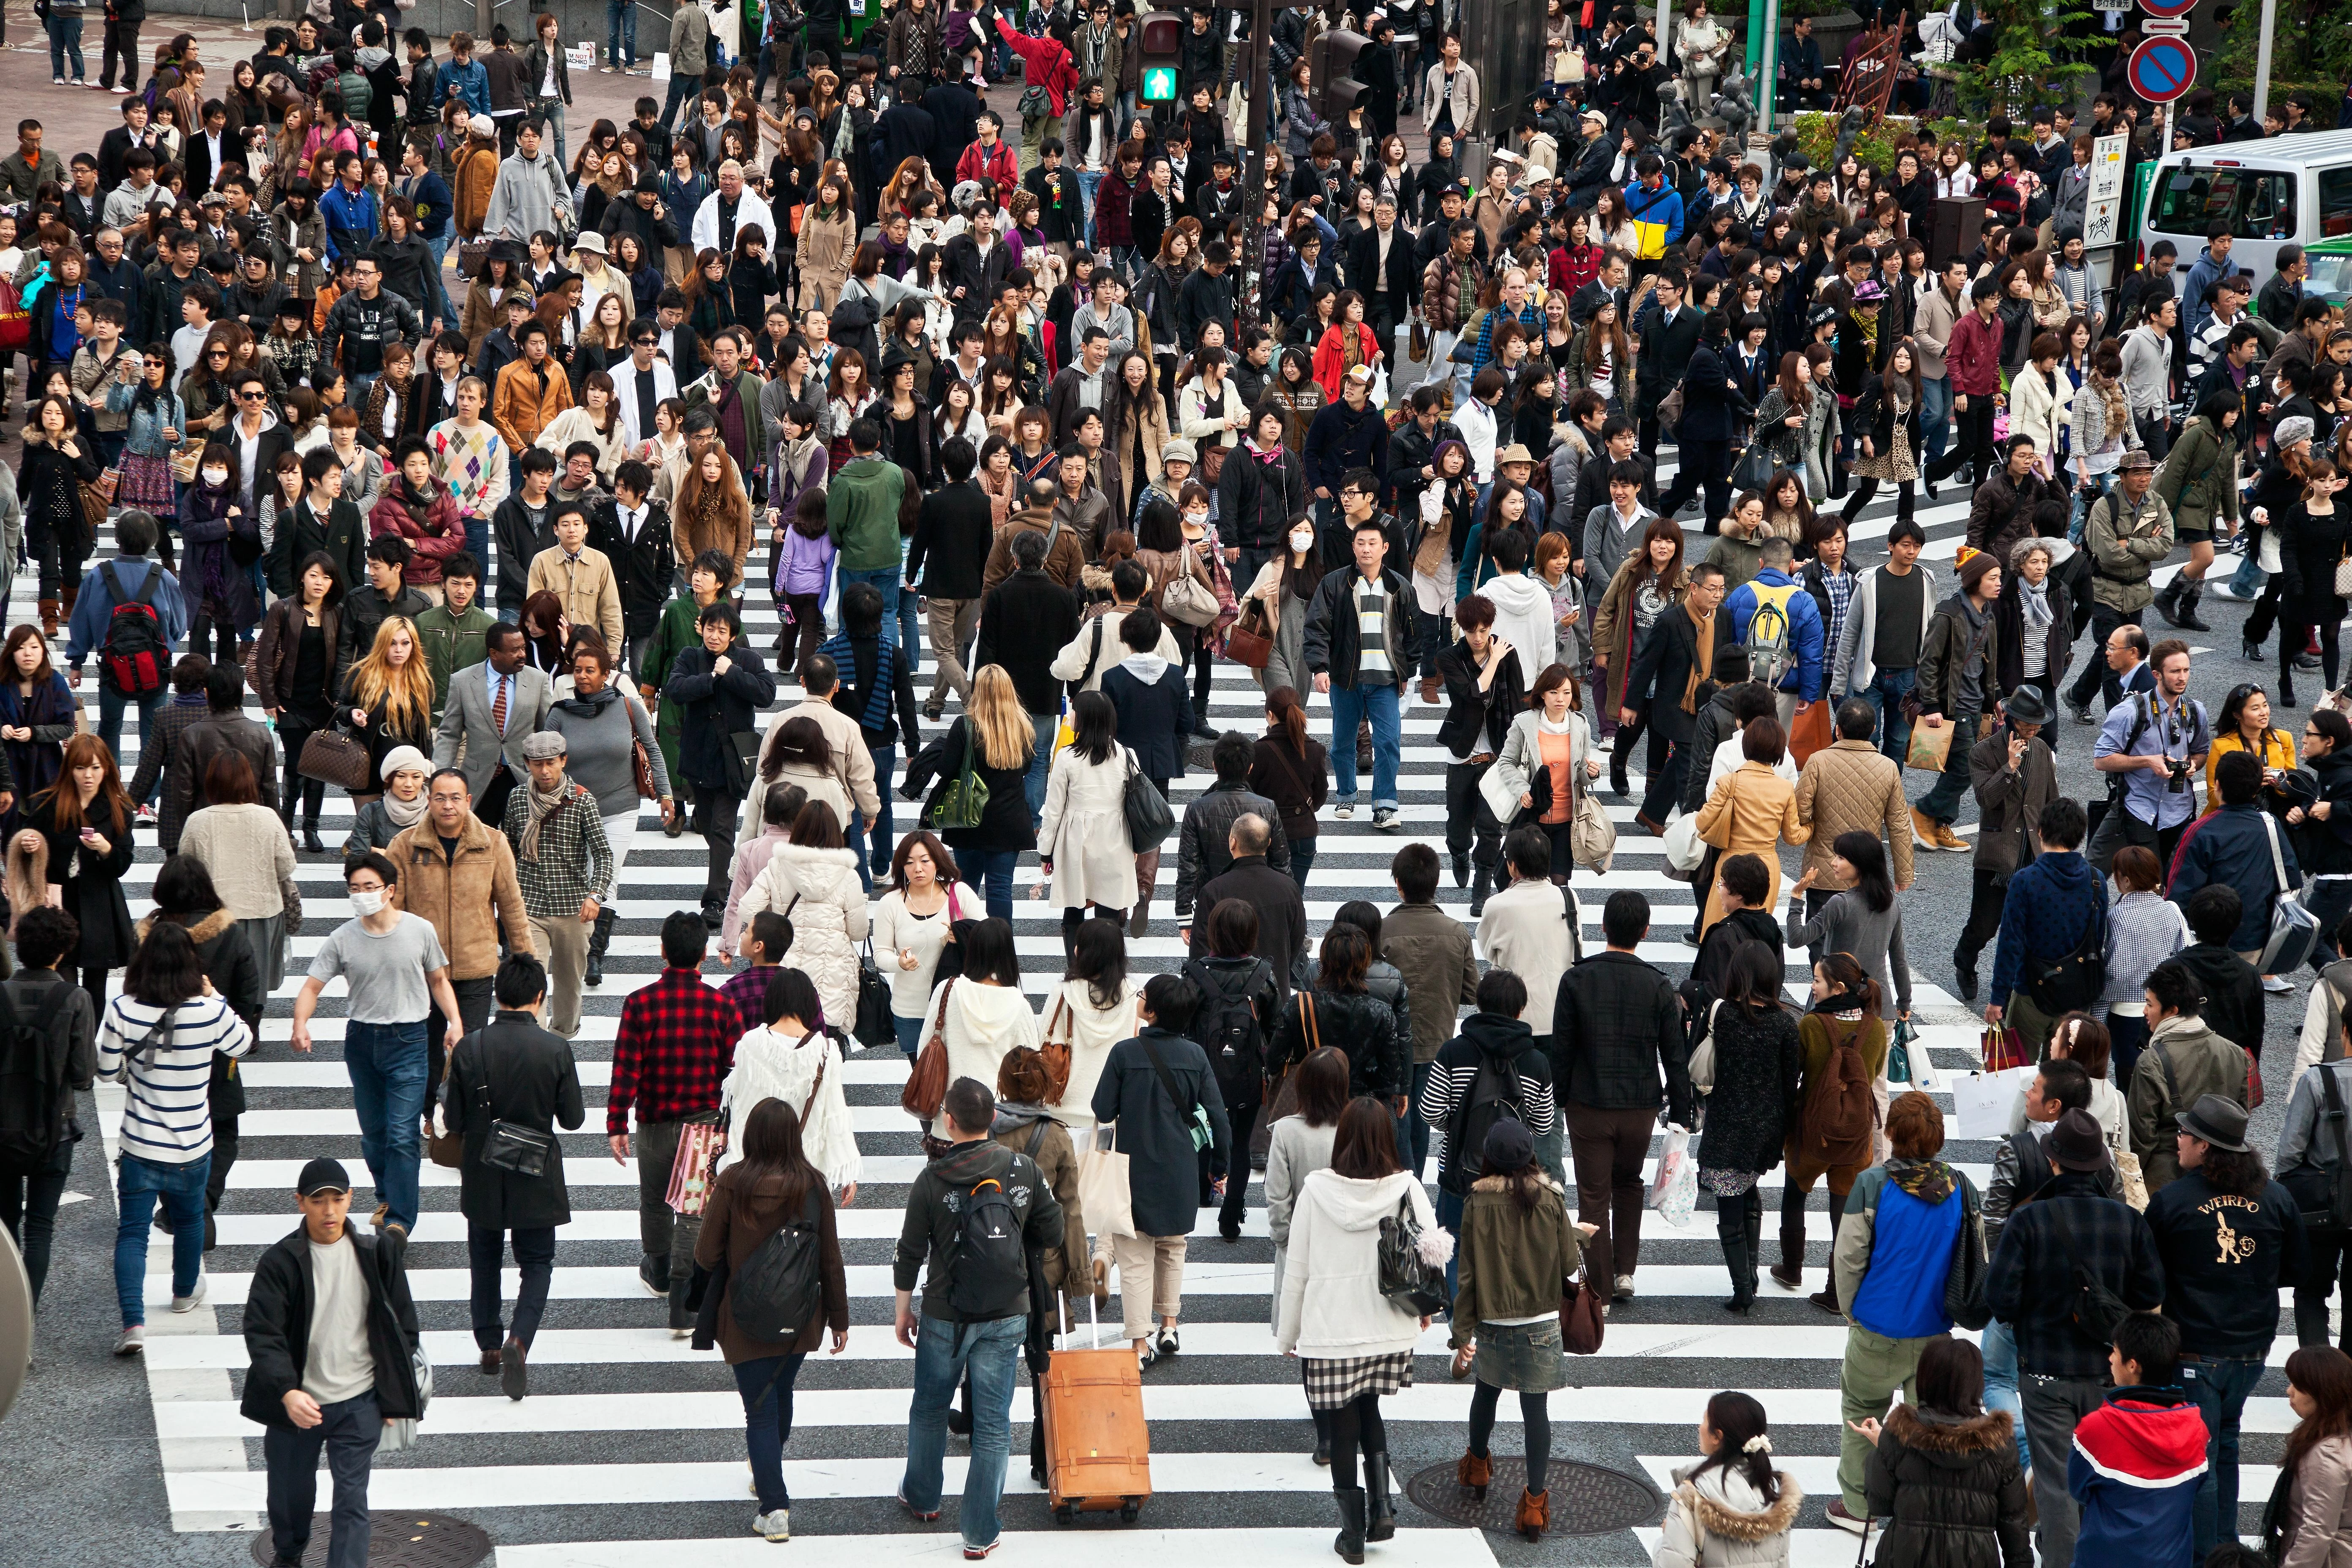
x=874 y=1025
x=509 y=1145
x=1148 y=819
x=2073 y=984
x=2092 y=1307
x=741 y=761
x=1408 y=1279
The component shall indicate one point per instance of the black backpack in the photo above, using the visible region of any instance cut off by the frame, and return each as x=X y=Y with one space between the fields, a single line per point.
x=134 y=658
x=991 y=1271
x=1226 y=1026
x=1494 y=1093
x=36 y=1106
x=780 y=1290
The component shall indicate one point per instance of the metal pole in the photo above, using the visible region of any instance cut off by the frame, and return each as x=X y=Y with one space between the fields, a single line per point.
x=1767 y=79
x=1253 y=173
x=2262 y=66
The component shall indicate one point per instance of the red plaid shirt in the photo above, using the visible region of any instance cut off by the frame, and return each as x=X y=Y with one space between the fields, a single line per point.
x=676 y=1044
x=748 y=990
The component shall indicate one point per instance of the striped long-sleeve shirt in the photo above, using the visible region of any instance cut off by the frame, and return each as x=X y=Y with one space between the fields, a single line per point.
x=168 y=1119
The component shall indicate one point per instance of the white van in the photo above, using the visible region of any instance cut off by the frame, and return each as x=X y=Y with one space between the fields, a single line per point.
x=2278 y=190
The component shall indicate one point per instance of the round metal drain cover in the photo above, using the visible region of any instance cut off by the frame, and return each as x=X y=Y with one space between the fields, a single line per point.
x=1586 y=1500
x=416 y=1541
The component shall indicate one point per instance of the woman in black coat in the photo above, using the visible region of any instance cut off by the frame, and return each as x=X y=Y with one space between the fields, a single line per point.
x=2312 y=538
x=985 y=851
x=1715 y=411
x=49 y=479
x=83 y=823
x=1943 y=1473
x=1155 y=711
x=185 y=895
x=1341 y=1012
x=1263 y=485
x=1758 y=1063
x=1886 y=417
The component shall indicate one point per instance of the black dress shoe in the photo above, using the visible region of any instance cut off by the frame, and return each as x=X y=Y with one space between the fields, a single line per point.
x=1461 y=868
x=1965 y=976
x=311 y=843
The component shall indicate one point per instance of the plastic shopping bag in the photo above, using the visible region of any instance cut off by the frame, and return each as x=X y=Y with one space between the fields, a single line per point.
x=1673 y=1190
x=1982 y=1101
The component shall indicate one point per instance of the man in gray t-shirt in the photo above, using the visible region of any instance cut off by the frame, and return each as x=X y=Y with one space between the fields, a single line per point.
x=397 y=973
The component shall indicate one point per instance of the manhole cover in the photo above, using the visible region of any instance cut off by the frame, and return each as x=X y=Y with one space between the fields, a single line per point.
x=1586 y=1500
x=434 y=1540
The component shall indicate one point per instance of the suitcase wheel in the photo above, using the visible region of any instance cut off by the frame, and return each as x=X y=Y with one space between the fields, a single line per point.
x=1065 y=1513
x=1128 y=1509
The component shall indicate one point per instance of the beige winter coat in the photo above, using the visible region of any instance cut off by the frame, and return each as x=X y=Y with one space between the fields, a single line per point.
x=1719 y=1520
x=2319 y=1524
x=826 y=247
x=1848 y=786
x=1084 y=831
x=828 y=920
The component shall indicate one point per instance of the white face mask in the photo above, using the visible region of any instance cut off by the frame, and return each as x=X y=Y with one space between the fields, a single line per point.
x=215 y=476
x=368 y=902
x=1198 y=519
x=1302 y=540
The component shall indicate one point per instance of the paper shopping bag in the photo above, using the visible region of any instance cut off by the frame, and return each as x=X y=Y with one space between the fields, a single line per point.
x=1103 y=1192
x=1929 y=746
x=2002 y=1049
x=689 y=1174
x=1982 y=1101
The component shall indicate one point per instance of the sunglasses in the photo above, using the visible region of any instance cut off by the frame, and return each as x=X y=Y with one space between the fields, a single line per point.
x=253 y=397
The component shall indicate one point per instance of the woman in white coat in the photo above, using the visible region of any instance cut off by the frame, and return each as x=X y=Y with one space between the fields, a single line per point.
x=1300 y=1146
x=2040 y=401
x=980 y=1014
x=1546 y=762
x=788 y=1057
x=1082 y=838
x=1092 y=1010
x=812 y=882
x=1355 y=1344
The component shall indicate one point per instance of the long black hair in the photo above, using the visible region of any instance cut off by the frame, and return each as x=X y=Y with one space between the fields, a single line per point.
x=1739 y=1419
x=165 y=970
x=1751 y=982
x=772 y=1147
x=1867 y=855
x=1099 y=955
x=1094 y=723
x=988 y=951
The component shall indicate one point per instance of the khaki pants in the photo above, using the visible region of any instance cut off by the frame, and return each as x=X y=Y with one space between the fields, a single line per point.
x=561 y=942
x=949 y=626
x=1151 y=1279
x=1875 y=1366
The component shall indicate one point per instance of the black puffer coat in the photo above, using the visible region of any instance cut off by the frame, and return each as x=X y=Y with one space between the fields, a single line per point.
x=1950 y=1490
x=1758 y=1064
x=1358 y=1023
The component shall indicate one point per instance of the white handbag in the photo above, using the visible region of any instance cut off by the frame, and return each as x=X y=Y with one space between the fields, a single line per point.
x=1702 y=1057
x=1684 y=848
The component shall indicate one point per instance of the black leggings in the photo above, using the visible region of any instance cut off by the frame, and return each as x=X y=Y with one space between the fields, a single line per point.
x=310 y=793
x=92 y=980
x=1906 y=498
x=203 y=627
x=1355 y=1425
x=2295 y=632
x=1535 y=1415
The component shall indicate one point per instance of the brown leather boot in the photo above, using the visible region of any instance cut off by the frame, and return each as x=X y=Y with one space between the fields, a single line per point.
x=1475 y=1471
x=1147 y=874
x=49 y=617
x=1534 y=1514
x=70 y=592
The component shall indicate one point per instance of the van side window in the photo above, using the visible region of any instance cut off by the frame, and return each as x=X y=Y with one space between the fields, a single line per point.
x=2255 y=204
x=2335 y=201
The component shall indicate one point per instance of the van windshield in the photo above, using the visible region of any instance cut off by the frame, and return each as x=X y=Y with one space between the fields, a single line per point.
x=2257 y=204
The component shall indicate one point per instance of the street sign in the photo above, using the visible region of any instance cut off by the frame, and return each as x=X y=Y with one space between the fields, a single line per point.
x=2102 y=224
x=2162 y=68
x=2168 y=9
x=2111 y=5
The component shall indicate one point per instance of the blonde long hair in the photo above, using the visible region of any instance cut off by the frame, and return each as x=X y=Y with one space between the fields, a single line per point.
x=405 y=689
x=1007 y=738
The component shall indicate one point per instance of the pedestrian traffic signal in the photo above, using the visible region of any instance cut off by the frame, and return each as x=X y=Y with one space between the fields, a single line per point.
x=1331 y=70
x=1163 y=41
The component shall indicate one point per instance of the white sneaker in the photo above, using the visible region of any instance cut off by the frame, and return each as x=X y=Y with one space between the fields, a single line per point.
x=189 y=1303
x=2223 y=590
x=2277 y=985
x=1344 y=810
x=133 y=1340
x=776 y=1526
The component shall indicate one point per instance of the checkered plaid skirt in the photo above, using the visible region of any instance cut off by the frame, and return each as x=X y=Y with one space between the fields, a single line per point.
x=1331 y=1384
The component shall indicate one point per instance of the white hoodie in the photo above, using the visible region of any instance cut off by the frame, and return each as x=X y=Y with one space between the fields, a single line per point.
x=981 y=1023
x=1332 y=1307
x=1091 y=1031
x=1523 y=619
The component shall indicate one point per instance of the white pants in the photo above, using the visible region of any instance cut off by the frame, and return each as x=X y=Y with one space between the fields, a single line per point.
x=620 y=832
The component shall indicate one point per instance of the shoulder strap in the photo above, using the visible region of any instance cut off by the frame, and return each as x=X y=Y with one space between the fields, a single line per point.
x=1308 y=1019
x=2278 y=865
x=2171 y=1079
x=823 y=1056
x=1167 y=1080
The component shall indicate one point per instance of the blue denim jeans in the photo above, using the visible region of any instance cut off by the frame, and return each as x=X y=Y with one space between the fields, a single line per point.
x=881 y=831
x=182 y=1189
x=1936 y=427
x=621 y=32
x=1999 y=1347
x=1449 y=1220
x=1349 y=707
x=766 y=1387
x=349 y=1430
x=885 y=579
x=440 y=302
x=1418 y=1157
x=110 y=716
x=1885 y=694
x=64 y=38
x=2219 y=1387
x=2246 y=581
x=386 y=1063
x=990 y=872
x=1087 y=181
x=944 y=1352
x=2084 y=500
x=1942 y=803
x=910 y=1034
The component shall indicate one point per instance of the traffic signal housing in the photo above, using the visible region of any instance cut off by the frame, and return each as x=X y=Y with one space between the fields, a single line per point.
x=1331 y=67
x=1163 y=41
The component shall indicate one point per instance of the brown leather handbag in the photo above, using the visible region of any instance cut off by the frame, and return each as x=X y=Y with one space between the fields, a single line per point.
x=337 y=759
x=1581 y=1319
x=1249 y=644
x=927 y=1086
x=1056 y=1052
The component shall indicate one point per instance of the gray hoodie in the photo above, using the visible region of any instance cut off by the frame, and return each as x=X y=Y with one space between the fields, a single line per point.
x=528 y=194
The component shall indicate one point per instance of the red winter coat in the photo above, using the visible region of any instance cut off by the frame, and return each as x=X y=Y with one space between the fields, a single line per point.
x=1001 y=168
x=432 y=537
x=1048 y=61
x=1972 y=355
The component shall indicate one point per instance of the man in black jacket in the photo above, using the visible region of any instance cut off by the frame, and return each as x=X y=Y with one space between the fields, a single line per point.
x=382 y=597
x=1364 y=675
x=1670 y=329
x=331 y=1332
x=1206 y=296
x=1202 y=849
x=952 y=536
x=1379 y=266
x=1616 y=1025
x=645 y=559
x=1281 y=913
x=322 y=521
x=720 y=689
x=43 y=996
x=1024 y=621
x=512 y=1072
x=1680 y=651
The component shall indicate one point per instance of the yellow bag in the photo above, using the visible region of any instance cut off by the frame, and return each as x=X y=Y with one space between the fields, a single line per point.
x=1650 y=240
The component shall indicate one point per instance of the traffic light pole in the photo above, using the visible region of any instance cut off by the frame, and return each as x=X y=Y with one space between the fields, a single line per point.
x=1255 y=92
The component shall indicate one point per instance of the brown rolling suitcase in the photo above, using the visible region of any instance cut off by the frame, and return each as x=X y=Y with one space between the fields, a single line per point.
x=1097 y=1447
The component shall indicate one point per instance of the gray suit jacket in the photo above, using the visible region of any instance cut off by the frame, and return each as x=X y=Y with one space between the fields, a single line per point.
x=467 y=719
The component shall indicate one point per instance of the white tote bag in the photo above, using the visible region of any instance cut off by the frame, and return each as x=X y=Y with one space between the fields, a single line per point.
x=1684 y=848
x=1103 y=1192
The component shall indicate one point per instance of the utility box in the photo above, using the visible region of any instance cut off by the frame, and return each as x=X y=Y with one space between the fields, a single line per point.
x=1502 y=40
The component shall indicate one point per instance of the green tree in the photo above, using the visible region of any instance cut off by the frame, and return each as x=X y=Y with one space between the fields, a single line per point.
x=2037 y=46
x=2311 y=51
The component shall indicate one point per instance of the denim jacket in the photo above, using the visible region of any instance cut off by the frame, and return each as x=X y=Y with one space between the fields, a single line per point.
x=145 y=436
